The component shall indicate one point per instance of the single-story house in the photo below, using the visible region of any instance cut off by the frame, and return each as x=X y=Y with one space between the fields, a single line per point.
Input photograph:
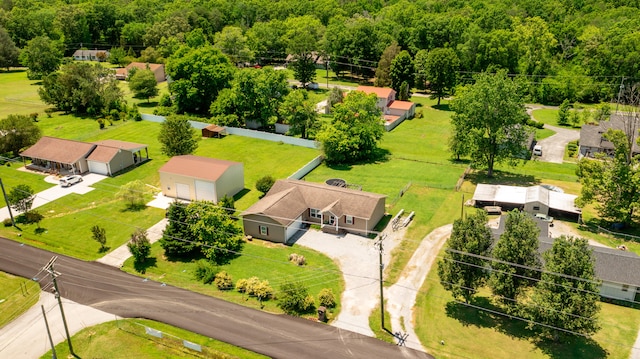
x=90 y=55
x=616 y=269
x=534 y=199
x=112 y=156
x=394 y=111
x=157 y=69
x=58 y=155
x=290 y=204
x=318 y=60
x=592 y=138
x=214 y=131
x=197 y=178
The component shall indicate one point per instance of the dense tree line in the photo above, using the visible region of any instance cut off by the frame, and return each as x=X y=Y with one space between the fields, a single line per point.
x=576 y=50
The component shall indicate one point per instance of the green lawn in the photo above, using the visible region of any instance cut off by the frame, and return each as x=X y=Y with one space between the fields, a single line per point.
x=11 y=177
x=18 y=95
x=265 y=260
x=127 y=339
x=549 y=116
x=17 y=295
x=472 y=333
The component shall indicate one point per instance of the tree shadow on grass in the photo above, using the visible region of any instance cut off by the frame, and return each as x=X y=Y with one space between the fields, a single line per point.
x=442 y=107
x=568 y=346
x=146 y=104
x=239 y=195
x=379 y=155
x=505 y=178
x=141 y=266
x=136 y=207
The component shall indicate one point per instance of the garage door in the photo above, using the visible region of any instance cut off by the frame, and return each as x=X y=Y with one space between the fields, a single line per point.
x=293 y=228
x=205 y=191
x=100 y=168
x=182 y=191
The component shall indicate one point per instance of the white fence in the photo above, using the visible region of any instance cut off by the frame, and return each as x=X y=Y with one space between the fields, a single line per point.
x=267 y=136
x=307 y=168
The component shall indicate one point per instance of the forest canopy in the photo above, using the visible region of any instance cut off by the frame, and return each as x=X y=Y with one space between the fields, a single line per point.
x=578 y=50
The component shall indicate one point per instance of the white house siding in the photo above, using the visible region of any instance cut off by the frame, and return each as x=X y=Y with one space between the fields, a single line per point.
x=614 y=291
x=205 y=191
x=536 y=207
x=231 y=181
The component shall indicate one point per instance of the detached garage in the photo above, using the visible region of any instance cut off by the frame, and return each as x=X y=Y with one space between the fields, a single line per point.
x=197 y=178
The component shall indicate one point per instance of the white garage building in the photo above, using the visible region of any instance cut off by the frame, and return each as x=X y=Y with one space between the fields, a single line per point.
x=197 y=178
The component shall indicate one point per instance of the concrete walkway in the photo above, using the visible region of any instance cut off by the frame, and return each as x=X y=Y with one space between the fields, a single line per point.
x=118 y=256
x=26 y=337
x=401 y=297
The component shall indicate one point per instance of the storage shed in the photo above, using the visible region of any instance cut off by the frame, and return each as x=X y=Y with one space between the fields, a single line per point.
x=214 y=131
x=199 y=178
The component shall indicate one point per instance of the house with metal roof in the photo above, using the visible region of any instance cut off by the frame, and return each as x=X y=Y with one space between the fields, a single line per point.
x=62 y=156
x=290 y=204
x=533 y=199
x=91 y=55
x=197 y=178
x=618 y=270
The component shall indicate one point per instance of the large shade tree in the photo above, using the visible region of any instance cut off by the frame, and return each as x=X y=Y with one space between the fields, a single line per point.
x=567 y=295
x=462 y=270
x=198 y=74
x=355 y=130
x=491 y=113
x=177 y=137
x=299 y=113
x=9 y=52
x=42 y=56
x=19 y=132
x=216 y=234
x=440 y=68
x=302 y=39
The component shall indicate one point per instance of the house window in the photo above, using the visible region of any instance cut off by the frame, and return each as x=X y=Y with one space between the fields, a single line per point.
x=264 y=230
x=332 y=219
x=625 y=288
x=348 y=219
x=536 y=208
x=315 y=213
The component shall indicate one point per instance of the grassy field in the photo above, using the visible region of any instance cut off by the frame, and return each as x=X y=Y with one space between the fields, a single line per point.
x=262 y=259
x=18 y=95
x=127 y=339
x=472 y=333
x=17 y=295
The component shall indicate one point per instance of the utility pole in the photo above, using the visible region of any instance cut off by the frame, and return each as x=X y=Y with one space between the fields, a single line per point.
x=381 y=284
x=620 y=93
x=46 y=323
x=13 y=222
x=54 y=276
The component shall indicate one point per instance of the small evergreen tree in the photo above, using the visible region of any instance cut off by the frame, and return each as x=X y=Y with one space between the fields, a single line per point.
x=99 y=235
x=264 y=184
x=563 y=113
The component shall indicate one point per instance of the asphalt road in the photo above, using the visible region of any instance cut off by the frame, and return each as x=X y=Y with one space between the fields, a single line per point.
x=113 y=291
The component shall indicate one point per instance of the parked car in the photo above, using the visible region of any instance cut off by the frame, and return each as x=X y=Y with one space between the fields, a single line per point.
x=70 y=180
x=544 y=218
x=537 y=150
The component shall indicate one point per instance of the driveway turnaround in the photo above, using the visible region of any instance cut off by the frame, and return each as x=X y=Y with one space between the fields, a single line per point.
x=553 y=147
x=113 y=291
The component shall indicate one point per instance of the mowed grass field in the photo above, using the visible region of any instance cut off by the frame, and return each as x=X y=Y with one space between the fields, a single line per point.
x=18 y=95
x=126 y=338
x=17 y=295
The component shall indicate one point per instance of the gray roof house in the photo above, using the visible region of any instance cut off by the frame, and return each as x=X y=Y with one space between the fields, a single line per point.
x=291 y=204
x=91 y=55
x=592 y=139
x=619 y=270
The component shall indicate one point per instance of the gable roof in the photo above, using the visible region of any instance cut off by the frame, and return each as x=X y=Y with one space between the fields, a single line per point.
x=197 y=167
x=214 y=128
x=401 y=105
x=58 y=150
x=592 y=135
x=103 y=154
x=143 y=66
x=107 y=149
x=611 y=265
x=287 y=199
x=123 y=145
x=94 y=53
x=381 y=92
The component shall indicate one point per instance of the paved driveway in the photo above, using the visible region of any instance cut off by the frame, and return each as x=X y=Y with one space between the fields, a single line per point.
x=553 y=147
x=57 y=191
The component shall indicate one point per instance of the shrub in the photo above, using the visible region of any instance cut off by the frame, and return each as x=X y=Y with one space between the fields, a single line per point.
x=223 y=281
x=293 y=298
x=327 y=298
x=49 y=112
x=205 y=271
x=297 y=259
x=241 y=285
x=34 y=116
x=309 y=304
x=228 y=203
x=165 y=101
x=7 y=222
x=260 y=289
x=264 y=184
x=536 y=124
x=101 y=123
